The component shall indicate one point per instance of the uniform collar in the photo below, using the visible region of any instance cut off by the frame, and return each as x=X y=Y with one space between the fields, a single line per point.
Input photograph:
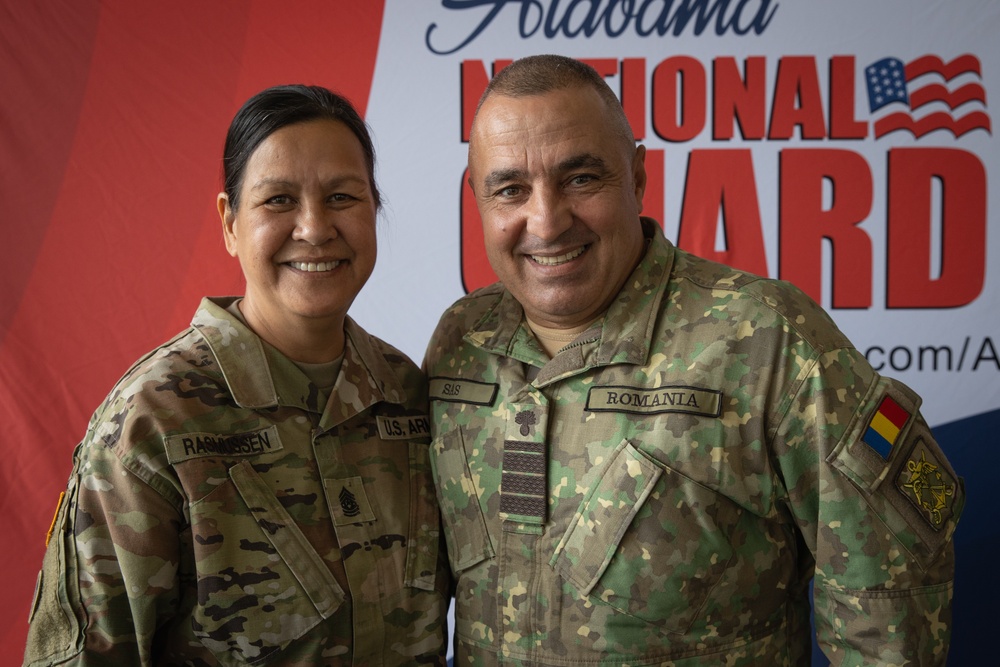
x=259 y=376
x=366 y=378
x=623 y=335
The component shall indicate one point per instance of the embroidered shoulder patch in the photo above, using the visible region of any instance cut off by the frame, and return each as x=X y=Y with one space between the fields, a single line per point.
x=55 y=518
x=927 y=485
x=884 y=427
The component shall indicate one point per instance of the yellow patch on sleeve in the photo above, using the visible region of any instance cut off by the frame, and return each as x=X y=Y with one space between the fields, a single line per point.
x=55 y=517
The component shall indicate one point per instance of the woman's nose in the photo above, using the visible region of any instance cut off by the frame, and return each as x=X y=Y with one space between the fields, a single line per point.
x=315 y=225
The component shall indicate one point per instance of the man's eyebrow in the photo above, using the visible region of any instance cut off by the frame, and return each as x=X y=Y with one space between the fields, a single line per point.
x=583 y=161
x=498 y=177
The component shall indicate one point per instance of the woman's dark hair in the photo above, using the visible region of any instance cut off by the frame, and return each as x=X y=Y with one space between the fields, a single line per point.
x=280 y=106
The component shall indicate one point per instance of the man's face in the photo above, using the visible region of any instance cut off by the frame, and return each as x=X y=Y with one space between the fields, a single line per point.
x=559 y=192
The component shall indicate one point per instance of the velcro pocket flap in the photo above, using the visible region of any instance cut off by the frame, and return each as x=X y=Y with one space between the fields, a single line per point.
x=287 y=539
x=604 y=515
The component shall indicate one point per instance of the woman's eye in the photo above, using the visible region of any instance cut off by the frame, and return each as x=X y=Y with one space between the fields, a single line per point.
x=279 y=200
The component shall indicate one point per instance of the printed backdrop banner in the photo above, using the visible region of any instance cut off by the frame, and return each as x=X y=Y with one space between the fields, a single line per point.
x=845 y=146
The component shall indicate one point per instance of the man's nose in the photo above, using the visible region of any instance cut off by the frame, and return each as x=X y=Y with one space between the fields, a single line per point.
x=548 y=214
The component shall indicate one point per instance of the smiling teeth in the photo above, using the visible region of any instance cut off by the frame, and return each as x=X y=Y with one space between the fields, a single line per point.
x=559 y=259
x=314 y=266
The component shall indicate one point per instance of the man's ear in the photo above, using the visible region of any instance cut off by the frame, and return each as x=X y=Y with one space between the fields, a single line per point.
x=639 y=173
x=228 y=222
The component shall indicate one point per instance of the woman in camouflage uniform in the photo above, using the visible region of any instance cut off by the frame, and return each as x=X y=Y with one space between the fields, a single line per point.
x=256 y=490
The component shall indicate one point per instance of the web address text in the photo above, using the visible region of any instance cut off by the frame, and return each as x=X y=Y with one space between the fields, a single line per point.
x=971 y=354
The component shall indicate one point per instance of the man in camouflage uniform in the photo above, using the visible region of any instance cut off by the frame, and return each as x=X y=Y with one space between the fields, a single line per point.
x=225 y=510
x=643 y=457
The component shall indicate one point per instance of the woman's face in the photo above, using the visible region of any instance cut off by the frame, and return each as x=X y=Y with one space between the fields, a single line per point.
x=304 y=232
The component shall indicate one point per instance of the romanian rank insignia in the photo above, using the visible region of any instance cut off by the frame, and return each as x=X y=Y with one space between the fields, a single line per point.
x=884 y=427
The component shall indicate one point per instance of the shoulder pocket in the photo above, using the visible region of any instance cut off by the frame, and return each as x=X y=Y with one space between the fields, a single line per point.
x=261 y=585
x=648 y=541
x=55 y=631
x=466 y=535
x=900 y=471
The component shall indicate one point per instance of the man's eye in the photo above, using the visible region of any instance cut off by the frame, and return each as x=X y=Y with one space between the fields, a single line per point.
x=582 y=179
x=509 y=191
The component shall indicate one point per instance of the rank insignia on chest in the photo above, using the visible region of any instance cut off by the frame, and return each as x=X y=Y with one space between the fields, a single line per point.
x=524 y=489
x=526 y=420
x=347 y=501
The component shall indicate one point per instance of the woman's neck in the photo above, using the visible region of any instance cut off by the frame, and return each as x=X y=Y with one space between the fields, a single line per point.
x=309 y=340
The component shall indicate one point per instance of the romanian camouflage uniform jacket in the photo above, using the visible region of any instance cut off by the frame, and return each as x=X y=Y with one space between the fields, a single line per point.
x=662 y=490
x=219 y=514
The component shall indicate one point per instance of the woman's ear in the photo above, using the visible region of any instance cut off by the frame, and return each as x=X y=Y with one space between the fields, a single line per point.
x=228 y=222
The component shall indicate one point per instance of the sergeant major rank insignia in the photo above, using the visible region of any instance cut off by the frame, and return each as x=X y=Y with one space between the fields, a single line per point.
x=347 y=501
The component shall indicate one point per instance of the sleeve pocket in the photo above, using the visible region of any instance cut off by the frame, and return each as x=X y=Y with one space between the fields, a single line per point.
x=886 y=626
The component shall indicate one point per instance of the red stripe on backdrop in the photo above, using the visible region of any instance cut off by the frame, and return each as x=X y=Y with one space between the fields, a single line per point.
x=117 y=237
x=44 y=54
x=43 y=72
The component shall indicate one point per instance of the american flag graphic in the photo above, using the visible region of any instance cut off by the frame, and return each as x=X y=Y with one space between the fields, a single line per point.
x=923 y=87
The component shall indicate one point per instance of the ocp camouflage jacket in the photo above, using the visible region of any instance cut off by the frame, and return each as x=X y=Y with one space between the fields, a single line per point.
x=219 y=513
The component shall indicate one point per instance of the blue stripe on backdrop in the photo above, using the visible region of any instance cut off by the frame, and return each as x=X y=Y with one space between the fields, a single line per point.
x=971 y=446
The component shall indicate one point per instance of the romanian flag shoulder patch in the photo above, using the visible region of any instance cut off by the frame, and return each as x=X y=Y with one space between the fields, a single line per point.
x=884 y=427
